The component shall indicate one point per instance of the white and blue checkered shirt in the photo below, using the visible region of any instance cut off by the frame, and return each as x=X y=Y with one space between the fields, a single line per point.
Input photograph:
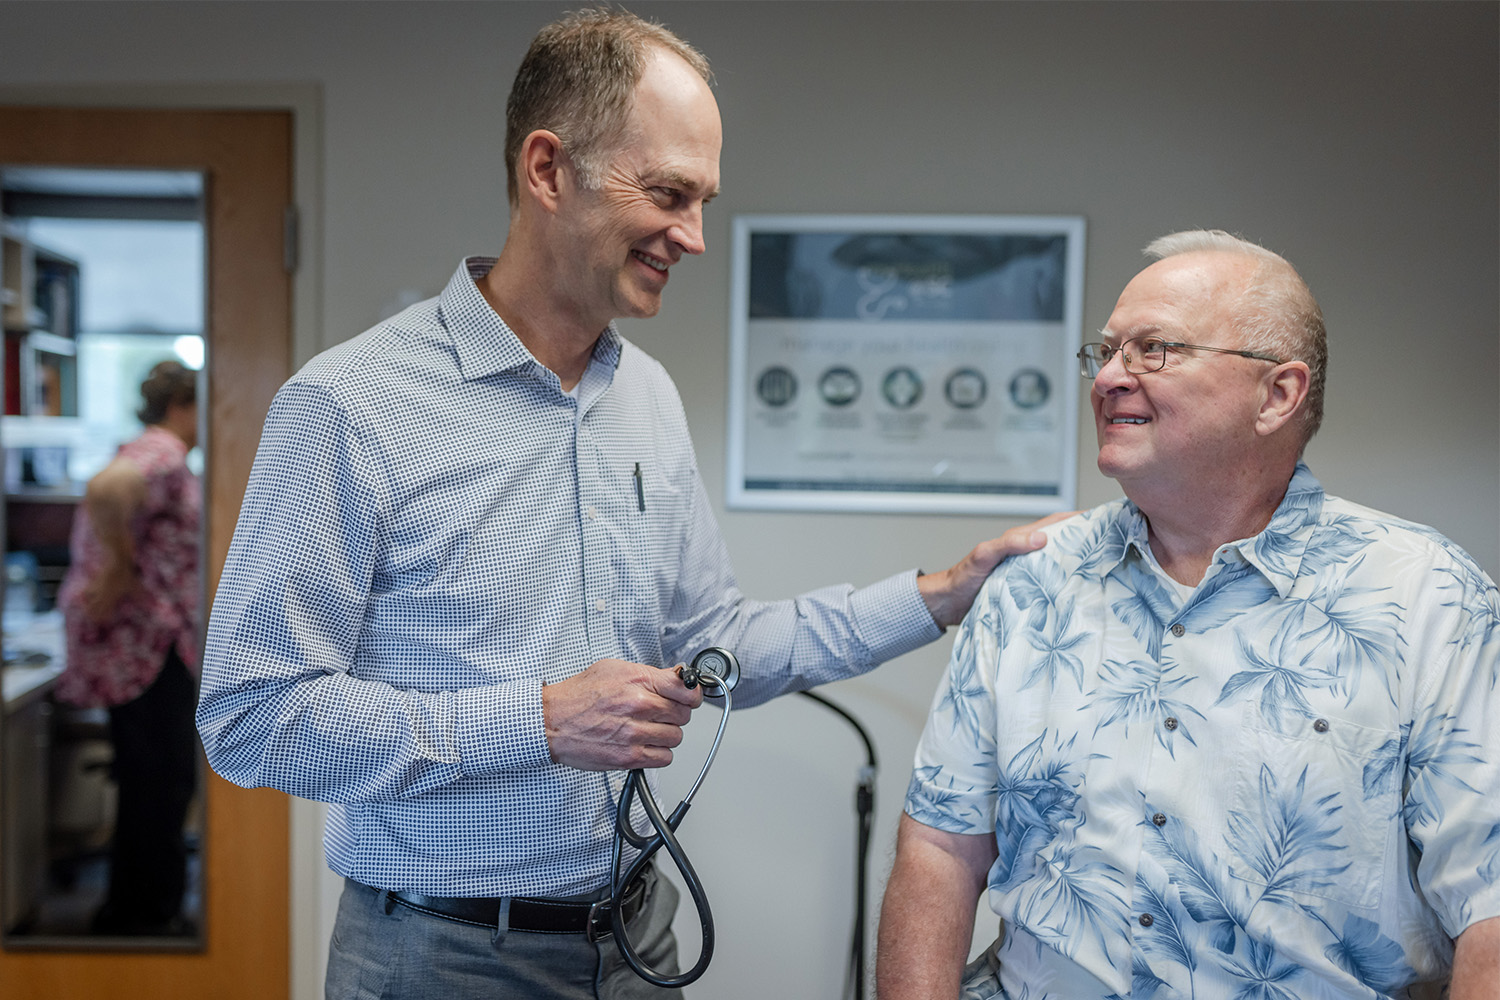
x=433 y=530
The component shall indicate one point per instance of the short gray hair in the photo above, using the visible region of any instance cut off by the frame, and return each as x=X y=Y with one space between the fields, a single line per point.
x=1276 y=313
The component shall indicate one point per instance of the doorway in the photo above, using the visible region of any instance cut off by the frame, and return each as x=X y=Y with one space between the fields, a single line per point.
x=104 y=319
x=244 y=159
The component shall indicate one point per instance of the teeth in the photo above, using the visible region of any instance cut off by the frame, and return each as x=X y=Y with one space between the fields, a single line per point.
x=1128 y=420
x=649 y=261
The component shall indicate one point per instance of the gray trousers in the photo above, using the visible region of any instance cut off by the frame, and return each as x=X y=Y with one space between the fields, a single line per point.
x=407 y=955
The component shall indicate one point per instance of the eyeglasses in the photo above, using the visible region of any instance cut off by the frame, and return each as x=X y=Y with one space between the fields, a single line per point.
x=1145 y=355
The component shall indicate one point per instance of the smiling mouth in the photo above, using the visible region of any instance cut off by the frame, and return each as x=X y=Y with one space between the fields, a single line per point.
x=649 y=261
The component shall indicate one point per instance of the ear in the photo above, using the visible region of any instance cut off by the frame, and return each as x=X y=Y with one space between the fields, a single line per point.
x=1284 y=394
x=539 y=168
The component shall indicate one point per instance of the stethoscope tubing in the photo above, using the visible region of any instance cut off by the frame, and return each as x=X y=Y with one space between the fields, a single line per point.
x=636 y=786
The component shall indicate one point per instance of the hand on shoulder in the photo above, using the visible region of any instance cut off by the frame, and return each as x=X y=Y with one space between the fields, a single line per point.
x=949 y=594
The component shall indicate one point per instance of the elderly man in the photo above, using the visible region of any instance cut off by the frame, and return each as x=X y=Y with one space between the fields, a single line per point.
x=1229 y=737
x=475 y=533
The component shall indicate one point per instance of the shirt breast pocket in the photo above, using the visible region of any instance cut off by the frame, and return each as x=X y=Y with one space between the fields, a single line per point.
x=1312 y=806
x=659 y=516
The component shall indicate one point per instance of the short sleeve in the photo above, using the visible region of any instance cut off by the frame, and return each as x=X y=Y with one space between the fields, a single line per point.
x=953 y=784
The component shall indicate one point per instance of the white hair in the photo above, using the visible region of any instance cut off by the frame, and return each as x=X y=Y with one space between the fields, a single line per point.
x=1276 y=313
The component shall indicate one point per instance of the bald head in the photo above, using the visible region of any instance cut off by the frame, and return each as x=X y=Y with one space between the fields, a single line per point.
x=1272 y=309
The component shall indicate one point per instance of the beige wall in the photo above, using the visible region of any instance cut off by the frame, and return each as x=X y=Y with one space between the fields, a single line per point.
x=1358 y=139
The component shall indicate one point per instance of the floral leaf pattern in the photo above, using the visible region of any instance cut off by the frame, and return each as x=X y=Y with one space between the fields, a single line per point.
x=1143 y=982
x=1214 y=901
x=1056 y=647
x=1083 y=905
x=1174 y=938
x=1191 y=791
x=1035 y=797
x=1369 y=956
x=1141 y=692
x=1349 y=628
x=1285 y=839
x=1263 y=975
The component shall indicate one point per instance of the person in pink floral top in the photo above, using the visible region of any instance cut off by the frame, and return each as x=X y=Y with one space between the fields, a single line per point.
x=130 y=606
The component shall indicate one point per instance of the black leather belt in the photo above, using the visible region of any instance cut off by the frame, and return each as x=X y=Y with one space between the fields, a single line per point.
x=534 y=916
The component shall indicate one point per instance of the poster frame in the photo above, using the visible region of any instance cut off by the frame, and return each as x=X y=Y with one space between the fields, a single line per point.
x=914 y=495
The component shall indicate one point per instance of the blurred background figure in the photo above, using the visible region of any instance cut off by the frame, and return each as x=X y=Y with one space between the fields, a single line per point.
x=130 y=606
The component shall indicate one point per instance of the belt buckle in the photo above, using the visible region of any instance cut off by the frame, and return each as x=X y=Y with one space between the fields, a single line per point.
x=599 y=926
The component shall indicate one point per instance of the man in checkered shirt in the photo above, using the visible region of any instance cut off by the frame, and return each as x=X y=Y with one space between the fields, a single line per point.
x=475 y=533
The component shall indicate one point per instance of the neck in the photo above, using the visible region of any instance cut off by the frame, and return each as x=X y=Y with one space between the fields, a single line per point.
x=185 y=429
x=1186 y=530
x=555 y=335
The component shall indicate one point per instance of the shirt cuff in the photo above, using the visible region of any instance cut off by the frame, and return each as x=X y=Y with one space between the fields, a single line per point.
x=500 y=727
x=893 y=619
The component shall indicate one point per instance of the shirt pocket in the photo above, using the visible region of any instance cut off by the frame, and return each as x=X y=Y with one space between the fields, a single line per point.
x=1312 y=808
x=658 y=516
x=656 y=521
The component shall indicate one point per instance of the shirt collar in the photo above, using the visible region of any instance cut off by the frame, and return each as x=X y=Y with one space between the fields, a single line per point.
x=485 y=343
x=1278 y=549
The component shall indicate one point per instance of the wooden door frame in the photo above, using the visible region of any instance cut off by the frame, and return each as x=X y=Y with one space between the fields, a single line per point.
x=247 y=157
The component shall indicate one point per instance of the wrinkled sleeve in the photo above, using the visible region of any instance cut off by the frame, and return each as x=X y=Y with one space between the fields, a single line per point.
x=824 y=635
x=280 y=704
x=1452 y=797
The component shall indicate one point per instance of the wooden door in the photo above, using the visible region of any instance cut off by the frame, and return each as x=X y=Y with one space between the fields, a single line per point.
x=247 y=160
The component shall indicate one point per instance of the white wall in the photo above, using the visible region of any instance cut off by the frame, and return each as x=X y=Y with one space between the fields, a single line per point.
x=1358 y=139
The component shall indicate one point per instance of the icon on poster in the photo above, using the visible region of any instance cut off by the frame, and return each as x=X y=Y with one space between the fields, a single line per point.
x=966 y=388
x=1030 y=389
x=902 y=388
x=839 y=386
x=777 y=386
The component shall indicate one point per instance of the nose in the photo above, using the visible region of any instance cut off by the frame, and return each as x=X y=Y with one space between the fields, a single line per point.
x=1113 y=378
x=687 y=231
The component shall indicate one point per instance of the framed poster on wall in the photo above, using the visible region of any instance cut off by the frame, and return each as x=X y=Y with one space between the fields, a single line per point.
x=921 y=364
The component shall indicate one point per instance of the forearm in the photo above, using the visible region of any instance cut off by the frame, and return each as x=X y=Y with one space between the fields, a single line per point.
x=839 y=632
x=927 y=918
x=115 y=579
x=923 y=943
x=822 y=636
x=113 y=498
x=1476 y=962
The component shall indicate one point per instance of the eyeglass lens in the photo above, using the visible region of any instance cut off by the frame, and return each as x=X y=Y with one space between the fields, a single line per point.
x=1139 y=356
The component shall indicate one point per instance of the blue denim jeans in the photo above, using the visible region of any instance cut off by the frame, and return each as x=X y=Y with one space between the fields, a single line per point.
x=407 y=955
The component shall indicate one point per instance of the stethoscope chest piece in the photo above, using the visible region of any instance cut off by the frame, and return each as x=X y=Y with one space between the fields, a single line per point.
x=716 y=669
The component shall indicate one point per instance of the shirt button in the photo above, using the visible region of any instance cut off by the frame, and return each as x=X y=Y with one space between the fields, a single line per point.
x=599 y=605
x=1160 y=819
x=1178 y=630
x=1170 y=722
x=1147 y=920
x=1321 y=725
x=592 y=512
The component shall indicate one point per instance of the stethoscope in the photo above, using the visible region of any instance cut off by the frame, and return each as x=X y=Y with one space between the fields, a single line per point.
x=717 y=671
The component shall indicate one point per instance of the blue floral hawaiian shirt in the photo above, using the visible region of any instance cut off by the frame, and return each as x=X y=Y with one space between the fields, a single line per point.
x=1281 y=783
